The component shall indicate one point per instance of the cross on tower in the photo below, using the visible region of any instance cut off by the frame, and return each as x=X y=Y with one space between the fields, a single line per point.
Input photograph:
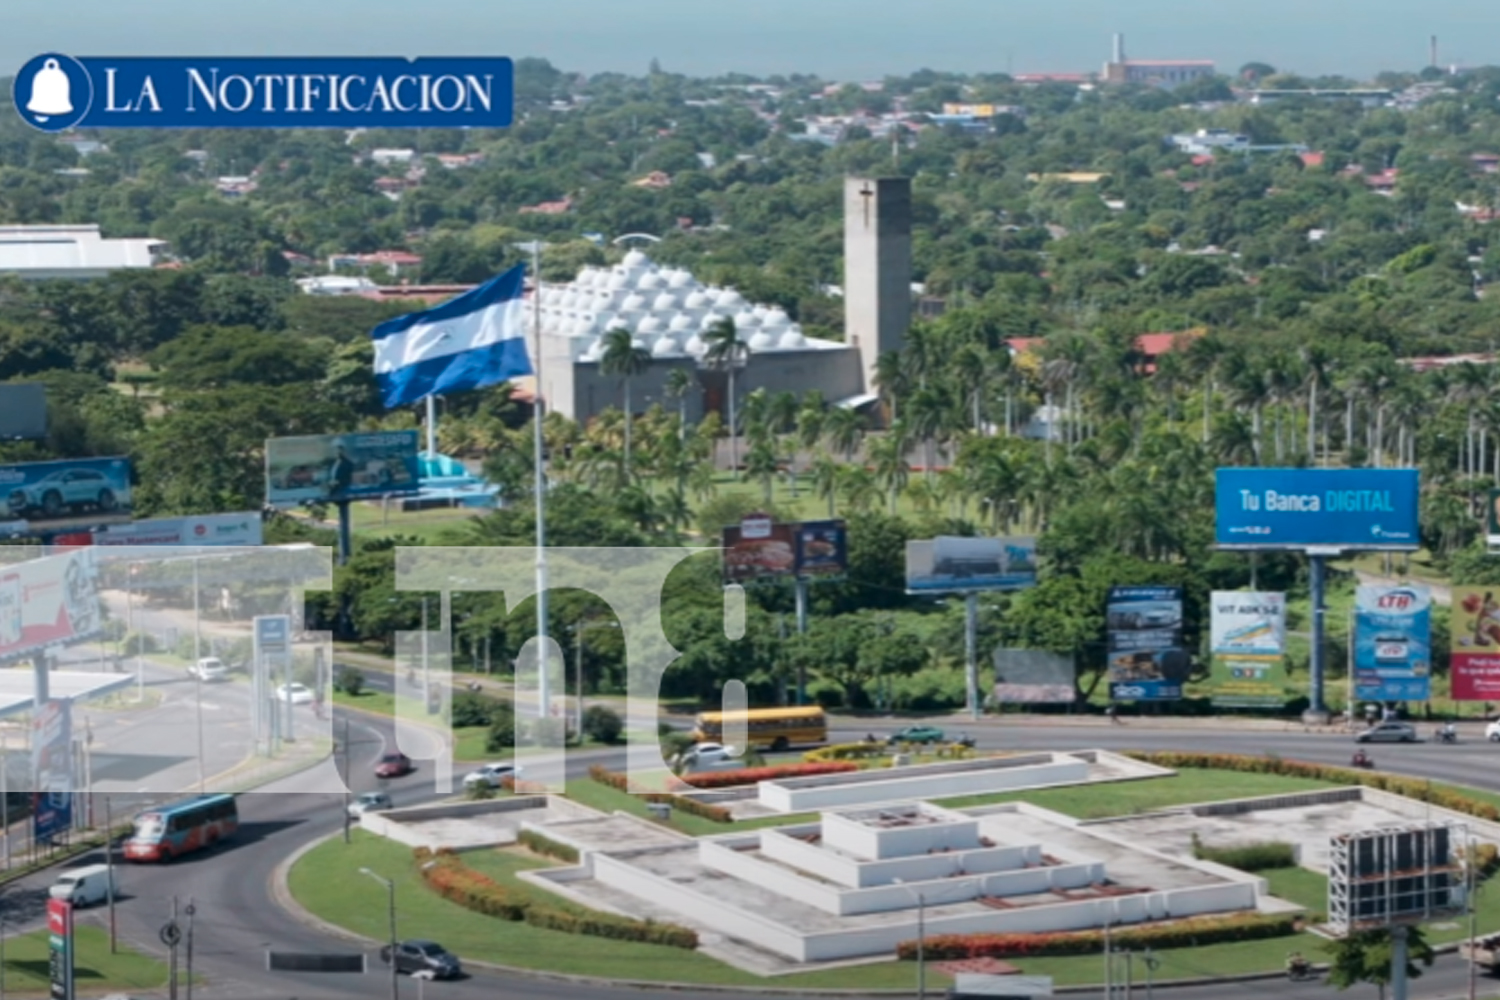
x=866 y=194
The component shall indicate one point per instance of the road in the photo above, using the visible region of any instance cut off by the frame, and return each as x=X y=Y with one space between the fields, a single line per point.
x=237 y=919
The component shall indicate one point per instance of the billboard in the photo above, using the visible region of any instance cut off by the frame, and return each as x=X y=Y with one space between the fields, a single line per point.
x=1034 y=677
x=759 y=549
x=208 y=529
x=1297 y=508
x=52 y=769
x=951 y=564
x=47 y=602
x=822 y=549
x=1247 y=640
x=1381 y=878
x=72 y=493
x=328 y=468
x=23 y=411
x=60 y=957
x=1144 y=630
x=1392 y=643
x=1474 y=664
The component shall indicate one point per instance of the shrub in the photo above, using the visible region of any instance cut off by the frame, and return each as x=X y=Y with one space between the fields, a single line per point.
x=471 y=709
x=602 y=724
x=845 y=751
x=349 y=680
x=539 y=843
x=478 y=791
x=1249 y=857
x=704 y=810
x=752 y=775
x=502 y=734
x=1189 y=933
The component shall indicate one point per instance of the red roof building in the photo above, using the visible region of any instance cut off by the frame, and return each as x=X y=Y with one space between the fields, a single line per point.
x=1311 y=160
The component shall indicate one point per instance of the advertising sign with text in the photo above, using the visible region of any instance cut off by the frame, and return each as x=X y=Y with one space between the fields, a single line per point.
x=328 y=468
x=1297 y=508
x=759 y=549
x=52 y=769
x=1146 y=658
x=1474 y=663
x=955 y=564
x=1392 y=643
x=47 y=602
x=69 y=494
x=206 y=529
x=1247 y=638
x=60 y=958
x=822 y=549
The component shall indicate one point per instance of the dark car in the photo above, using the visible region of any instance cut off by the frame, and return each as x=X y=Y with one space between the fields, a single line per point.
x=917 y=734
x=393 y=765
x=423 y=956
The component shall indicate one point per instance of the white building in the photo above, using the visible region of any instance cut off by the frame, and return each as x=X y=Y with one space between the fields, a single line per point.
x=79 y=252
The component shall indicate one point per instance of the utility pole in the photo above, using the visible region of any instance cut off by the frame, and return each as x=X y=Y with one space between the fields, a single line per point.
x=191 y=909
x=346 y=778
x=1109 y=979
x=172 y=966
x=109 y=861
x=921 y=947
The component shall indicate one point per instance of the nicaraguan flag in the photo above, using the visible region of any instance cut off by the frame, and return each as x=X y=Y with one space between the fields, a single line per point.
x=475 y=340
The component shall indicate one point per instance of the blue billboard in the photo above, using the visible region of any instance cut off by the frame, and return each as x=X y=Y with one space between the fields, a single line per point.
x=1297 y=508
x=1146 y=658
x=55 y=92
x=1392 y=643
x=74 y=493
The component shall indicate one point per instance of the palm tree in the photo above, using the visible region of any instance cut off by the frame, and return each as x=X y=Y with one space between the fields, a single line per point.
x=891 y=382
x=826 y=477
x=727 y=352
x=677 y=386
x=888 y=454
x=760 y=463
x=844 y=428
x=928 y=416
x=622 y=357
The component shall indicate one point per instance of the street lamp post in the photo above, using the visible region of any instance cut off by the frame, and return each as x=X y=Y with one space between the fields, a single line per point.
x=390 y=888
x=198 y=672
x=578 y=631
x=921 y=899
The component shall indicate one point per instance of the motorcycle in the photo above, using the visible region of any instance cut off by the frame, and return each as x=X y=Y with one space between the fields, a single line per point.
x=965 y=740
x=1361 y=759
x=1301 y=974
x=1447 y=734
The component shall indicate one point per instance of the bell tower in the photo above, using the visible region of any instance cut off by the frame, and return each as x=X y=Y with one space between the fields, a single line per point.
x=877 y=267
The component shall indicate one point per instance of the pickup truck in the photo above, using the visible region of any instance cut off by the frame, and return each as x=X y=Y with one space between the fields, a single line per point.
x=1484 y=952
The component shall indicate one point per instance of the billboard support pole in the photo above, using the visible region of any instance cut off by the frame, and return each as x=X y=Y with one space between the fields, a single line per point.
x=971 y=664
x=345 y=532
x=1317 y=712
x=801 y=588
x=1398 y=962
x=538 y=413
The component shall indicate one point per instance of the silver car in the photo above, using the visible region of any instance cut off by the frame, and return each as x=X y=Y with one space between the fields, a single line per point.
x=1388 y=732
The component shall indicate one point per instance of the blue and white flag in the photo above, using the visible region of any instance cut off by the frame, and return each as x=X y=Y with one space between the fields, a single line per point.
x=475 y=340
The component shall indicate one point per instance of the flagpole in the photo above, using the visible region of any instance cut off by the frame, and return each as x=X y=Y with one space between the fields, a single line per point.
x=431 y=425
x=543 y=694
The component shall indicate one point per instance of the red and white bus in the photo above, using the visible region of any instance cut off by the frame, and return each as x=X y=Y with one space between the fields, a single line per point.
x=182 y=827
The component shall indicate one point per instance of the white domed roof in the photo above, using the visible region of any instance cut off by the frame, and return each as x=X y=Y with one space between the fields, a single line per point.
x=585 y=279
x=664 y=345
x=709 y=319
x=793 y=339
x=665 y=302
x=679 y=279
x=650 y=324
x=775 y=318
x=634 y=302
x=696 y=299
x=682 y=322
x=636 y=259
x=695 y=346
x=618 y=279
x=762 y=341
x=729 y=298
x=603 y=320
x=649 y=282
x=746 y=320
x=760 y=311
x=638 y=343
x=591 y=353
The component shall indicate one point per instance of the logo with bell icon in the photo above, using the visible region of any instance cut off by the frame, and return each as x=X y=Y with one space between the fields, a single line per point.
x=52 y=92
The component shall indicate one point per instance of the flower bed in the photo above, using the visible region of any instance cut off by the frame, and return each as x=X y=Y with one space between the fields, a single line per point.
x=703 y=810
x=752 y=775
x=1177 y=934
x=846 y=751
x=450 y=878
x=540 y=844
x=1412 y=788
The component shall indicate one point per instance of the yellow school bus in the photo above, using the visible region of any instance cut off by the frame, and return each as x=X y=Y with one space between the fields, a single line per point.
x=771 y=728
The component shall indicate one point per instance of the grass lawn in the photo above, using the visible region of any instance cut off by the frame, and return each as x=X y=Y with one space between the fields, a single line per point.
x=94 y=968
x=1300 y=886
x=1122 y=798
x=327 y=881
x=432 y=526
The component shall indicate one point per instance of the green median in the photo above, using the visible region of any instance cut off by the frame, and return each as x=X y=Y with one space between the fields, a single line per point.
x=26 y=967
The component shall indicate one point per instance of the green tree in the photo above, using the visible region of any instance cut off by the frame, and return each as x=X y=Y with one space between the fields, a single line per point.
x=622 y=358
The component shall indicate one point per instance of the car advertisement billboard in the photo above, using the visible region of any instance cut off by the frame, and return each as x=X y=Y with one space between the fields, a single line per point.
x=205 y=530
x=1298 y=508
x=51 y=769
x=1144 y=631
x=1247 y=640
x=955 y=564
x=72 y=493
x=822 y=549
x=1392 y=643
x=759 y=549
x=47 y=602
x=330 y=468
x=1034 y=677
x=1474 y=632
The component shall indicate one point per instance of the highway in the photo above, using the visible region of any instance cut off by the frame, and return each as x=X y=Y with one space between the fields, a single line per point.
x=237 y=920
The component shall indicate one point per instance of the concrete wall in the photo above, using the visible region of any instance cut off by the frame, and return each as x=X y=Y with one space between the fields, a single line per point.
x=855 y=874
x=394 y=824
x=833 y=372
x=593 y=392
x=873 y=843
x=795 y=795
x=1420 y=812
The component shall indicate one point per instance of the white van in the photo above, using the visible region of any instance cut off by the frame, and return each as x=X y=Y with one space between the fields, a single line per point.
x=82 y=886
x=210 y=668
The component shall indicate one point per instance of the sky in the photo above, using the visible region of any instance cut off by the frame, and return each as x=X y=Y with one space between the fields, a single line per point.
x=836 y=39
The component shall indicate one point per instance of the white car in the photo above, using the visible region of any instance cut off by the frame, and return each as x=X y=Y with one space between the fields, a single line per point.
x=369 y=802
x=492 y=774
x=297 y=694
x=210 y=668
x=1492 y=731
x=710 y=757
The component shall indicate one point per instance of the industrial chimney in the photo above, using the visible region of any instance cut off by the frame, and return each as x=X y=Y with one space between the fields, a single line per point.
x=1432 y=52
x=1119 y=48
